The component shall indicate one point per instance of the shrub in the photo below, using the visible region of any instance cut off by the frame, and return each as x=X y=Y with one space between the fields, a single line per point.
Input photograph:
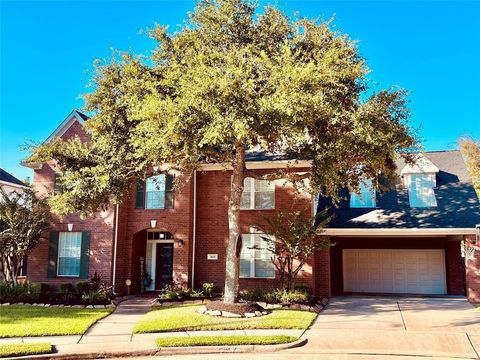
x=27 y=292
x=94 y=297
x=252 y=294
x=96 y=282
x=35 y=291
x=274 y=296
x=83 y=287
x=207 y=289
x=303 y=288
x=66 y=288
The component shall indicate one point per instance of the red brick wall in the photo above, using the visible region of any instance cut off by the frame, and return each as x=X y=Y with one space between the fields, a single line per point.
x=321 y=273
x=455 y=268
x=100 y=227
x=213 y=190
x=132 y=235
x=473 y=274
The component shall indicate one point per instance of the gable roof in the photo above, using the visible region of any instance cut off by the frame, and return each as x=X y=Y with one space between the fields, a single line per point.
x=458 y=206
x=9 y=178
x=75 y=115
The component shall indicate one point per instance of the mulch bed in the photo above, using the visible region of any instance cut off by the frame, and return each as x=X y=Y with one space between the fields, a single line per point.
x=237 y=308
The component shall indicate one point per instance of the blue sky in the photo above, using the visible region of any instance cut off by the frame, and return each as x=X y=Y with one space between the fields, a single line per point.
x=47 y=50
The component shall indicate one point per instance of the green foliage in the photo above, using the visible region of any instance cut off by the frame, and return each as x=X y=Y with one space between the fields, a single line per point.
x=83 y=287
x=186 y=318
x=276 y=296
x=207 y=289
x=94 y=297
x=66 y=288
x=23 y=221
x=172 y=293
x=223 y=340
x=11 y=350
x=18 y=320
x=471 y=152
x=294 y=238
x=234 y=74
x=26 y=292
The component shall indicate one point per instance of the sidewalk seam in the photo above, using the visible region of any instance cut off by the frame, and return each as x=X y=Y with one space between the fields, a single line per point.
x=473 y=347
x=401 y=315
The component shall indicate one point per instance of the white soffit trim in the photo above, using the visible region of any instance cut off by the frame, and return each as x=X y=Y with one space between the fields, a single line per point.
x=421 y=165
x=273 y=164
x=65 y=125
x=380 y=232
x=12 y=184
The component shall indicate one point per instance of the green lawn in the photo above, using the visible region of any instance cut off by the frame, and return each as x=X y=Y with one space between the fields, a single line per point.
x=178 y=318
x=8 y=350
x=18 y=320
x=223 y=340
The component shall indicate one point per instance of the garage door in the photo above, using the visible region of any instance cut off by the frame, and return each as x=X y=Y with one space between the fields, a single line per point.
x=394 y=271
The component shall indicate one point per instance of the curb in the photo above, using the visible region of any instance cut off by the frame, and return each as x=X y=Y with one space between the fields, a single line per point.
x=168 y=351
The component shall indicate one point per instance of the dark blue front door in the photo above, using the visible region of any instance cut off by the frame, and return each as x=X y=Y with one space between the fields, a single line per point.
x=164 y=265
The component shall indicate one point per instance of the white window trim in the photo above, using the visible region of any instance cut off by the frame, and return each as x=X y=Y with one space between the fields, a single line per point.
x=252 y=262
x=354 y=195
x=252 y=196
x=58 y=257
x=409 y=182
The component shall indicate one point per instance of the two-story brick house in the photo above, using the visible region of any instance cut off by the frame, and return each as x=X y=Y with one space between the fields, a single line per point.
x=403 y=241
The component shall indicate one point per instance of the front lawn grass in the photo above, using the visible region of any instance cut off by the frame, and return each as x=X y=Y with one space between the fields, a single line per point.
x=19 y=320
x=223 y=340
x=8 y=350
x=179 y=318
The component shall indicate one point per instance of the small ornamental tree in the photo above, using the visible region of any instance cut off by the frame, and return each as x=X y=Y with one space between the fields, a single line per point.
x=230 y=79
x=23 y=220
x=471 y=151
x=293 y=238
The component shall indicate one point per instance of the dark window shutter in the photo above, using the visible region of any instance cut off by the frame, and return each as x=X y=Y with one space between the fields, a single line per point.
x=140 y=196
x=85 y=255
x=169 y=191
x=52 y=254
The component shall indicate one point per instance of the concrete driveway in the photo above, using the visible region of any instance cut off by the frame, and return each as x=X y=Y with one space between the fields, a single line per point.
x=438 y=327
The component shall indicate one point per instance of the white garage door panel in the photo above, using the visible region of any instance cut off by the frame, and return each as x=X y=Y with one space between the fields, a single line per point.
x=394 y=271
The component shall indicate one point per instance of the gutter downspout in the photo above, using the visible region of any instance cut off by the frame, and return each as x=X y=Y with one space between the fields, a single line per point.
x=194 y=235
x=115 y=245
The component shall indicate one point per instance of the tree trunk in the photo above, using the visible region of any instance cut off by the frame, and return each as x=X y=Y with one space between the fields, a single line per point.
x=230 y=294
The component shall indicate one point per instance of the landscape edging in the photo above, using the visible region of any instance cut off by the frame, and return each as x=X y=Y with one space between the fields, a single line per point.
x=190 y=350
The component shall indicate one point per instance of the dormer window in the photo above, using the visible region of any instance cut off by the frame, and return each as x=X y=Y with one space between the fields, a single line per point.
x=420 y=190
x=366 y=198
x=419 y=177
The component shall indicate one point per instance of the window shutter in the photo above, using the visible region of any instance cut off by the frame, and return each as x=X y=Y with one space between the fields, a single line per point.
x=169 y=179
x=85 y=255
x=140 y=196
x=52 y=255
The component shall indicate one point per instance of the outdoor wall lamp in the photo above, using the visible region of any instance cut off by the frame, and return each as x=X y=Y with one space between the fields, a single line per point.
x=70 y=227
x=180 y=243
x=153 y=224
x=477 y=233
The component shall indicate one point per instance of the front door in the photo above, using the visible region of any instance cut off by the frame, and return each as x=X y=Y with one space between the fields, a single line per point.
x=163 y=265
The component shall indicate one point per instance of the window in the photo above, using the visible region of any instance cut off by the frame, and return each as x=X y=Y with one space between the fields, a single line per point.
x=69 y=251
x=256 y=257
x=367 y=196
x=258 y=194
x=58 y=186
x=420 y=190
x=155 y=193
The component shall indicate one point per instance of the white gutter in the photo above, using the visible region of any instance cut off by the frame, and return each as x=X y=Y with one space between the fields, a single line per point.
x=194 y=235
x=396 y=231
x=115 y=245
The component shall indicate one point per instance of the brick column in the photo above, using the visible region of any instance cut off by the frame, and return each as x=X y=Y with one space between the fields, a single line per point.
x=321 y=273
x=455 y=267
x=473 y=274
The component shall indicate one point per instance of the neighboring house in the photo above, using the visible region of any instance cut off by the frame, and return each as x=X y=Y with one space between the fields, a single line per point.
x=10 y=183
x=405 y=241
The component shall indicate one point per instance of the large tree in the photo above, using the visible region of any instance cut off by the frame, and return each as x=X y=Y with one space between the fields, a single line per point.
x=23 y=221
x=233 y=78
x=471 y=151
